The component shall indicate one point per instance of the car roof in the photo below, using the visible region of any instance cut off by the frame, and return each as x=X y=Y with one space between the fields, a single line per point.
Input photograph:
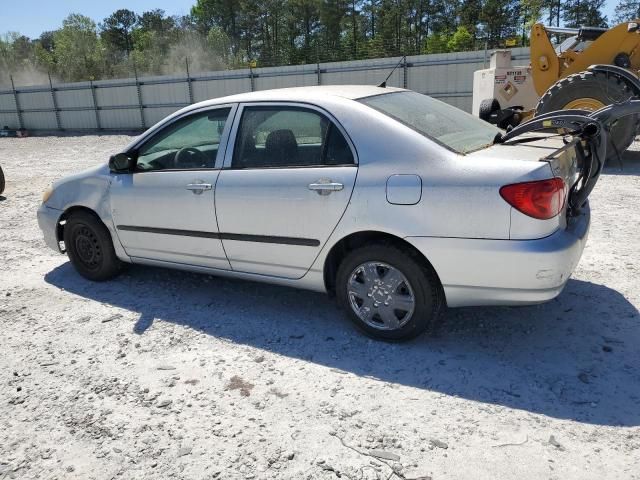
x=302 y=94
x=317 y=95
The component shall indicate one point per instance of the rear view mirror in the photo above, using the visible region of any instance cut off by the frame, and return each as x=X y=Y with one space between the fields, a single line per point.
x=120 y=163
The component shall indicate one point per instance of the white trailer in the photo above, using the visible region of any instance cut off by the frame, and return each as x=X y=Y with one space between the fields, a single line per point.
x=502 y=86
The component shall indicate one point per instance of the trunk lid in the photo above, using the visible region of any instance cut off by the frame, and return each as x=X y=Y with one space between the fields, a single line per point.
x=579 y=158
x=562 y=158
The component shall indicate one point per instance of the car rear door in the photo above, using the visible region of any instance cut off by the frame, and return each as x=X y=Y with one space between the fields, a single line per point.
x=164 y=210
x=287 y=181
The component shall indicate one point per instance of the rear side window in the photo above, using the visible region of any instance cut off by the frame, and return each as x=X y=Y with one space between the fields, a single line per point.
x=272 y=137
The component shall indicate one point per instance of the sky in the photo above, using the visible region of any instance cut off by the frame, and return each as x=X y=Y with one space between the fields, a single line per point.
x=32 y=17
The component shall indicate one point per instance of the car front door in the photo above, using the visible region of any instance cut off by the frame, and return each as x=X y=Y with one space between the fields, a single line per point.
x=286 y=183
x=164 y=210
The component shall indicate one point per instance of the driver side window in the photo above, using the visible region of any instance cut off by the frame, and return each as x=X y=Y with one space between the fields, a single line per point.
x=190 y=143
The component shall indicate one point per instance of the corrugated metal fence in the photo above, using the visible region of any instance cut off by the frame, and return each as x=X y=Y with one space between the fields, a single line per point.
x=137 y=103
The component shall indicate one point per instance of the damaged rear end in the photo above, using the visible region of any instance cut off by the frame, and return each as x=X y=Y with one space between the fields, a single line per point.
x=574 y=145
x=549 y=216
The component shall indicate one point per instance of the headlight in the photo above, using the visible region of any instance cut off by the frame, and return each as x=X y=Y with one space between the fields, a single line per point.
x=47 y=193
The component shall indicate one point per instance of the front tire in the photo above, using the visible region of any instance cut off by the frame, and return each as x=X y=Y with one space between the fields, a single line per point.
x=90 y=248
x=388 y=292
x=1 y=181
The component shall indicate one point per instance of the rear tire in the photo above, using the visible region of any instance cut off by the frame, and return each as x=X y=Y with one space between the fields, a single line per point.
x=2 y=185
x=401 y=288
x=598 y=86
x=90 y=248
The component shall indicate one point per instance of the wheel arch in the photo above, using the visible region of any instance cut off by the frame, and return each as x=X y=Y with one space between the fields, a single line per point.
x=70 y=211
x=359 y=239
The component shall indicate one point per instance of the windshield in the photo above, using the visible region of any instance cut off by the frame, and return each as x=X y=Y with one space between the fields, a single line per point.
x=447 y=125
x=572 y=43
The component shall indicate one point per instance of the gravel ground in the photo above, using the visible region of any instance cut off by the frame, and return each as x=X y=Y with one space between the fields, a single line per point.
x=163 y=374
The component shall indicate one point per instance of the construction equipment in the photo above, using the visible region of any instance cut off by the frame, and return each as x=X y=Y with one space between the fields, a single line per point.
x=591 y=68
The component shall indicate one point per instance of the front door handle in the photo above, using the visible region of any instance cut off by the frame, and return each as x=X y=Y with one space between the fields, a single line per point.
x=198 y=188
x=325 y=186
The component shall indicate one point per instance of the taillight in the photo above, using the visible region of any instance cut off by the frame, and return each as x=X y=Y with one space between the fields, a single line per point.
x=542 y=199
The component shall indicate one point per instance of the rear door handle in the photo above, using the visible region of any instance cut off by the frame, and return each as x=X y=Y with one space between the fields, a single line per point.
x=198 y=188
x=325 y=187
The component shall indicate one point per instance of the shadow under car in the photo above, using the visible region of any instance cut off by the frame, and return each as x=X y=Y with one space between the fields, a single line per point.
x=572 y=358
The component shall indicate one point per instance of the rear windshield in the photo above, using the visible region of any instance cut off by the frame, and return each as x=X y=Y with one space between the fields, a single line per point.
x=447 y=125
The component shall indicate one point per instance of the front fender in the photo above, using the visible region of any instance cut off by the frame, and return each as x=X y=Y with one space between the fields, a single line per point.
x=87 y=190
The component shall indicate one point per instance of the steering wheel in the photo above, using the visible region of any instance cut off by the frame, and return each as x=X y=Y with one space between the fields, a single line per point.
x=189 y=157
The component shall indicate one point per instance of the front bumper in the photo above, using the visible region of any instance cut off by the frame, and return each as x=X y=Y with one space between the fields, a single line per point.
x=48 y=221
x=506 y=272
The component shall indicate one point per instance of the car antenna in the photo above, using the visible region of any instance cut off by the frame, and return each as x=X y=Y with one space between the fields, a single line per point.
x=384 y=84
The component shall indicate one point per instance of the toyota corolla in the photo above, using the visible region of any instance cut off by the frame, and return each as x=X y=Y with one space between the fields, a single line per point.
x=393 y=201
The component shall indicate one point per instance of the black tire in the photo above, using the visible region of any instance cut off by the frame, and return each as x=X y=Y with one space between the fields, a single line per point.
x=605 y=88
x=1 y=181
x=90 y=248
x=423 y=282
x=487 y=107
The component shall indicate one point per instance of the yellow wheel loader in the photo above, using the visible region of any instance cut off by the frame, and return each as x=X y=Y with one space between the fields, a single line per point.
x=591 y=68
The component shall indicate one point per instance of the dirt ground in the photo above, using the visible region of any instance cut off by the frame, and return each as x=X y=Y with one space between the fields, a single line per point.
x=162 y=374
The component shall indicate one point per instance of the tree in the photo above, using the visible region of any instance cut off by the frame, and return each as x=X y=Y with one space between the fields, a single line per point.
x=306 y=17
x=436 y=43
x=549 y=11
x=44 y=50
x=332 y=14
x=354 y=14
x=390 y=14
x=156 y=21
x=578 y=13
x=76 y=48
x=47 y=41
x=152 y=39
x=469 y=14
x=220 y=44
x=218 y=13
x=116 y=30
x=501 y=18
x=627 y=10
x=461 y=41
x=229 y=33
x=444 y=17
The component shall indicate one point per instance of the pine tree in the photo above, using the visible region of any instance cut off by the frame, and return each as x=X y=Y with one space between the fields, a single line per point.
x=578 y=13
x=627 y=10
x=116 y=30
x=501 y=18
x=469 y=14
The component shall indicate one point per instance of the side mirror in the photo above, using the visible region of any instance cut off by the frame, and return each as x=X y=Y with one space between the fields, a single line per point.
x=121 y=163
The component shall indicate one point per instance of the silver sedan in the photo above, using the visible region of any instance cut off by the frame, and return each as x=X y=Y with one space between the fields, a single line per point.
x=396 y=203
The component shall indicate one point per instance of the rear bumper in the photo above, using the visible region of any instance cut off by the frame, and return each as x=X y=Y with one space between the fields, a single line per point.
x=48 y=222
x=506 y=272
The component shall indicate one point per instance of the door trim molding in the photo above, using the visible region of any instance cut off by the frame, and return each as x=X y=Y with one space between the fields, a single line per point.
x=240 y=237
